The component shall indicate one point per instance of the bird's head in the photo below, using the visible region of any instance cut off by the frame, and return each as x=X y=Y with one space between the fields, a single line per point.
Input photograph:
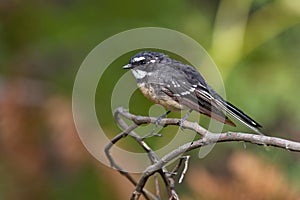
x=145 y=62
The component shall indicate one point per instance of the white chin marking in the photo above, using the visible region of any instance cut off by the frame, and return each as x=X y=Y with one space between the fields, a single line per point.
x=139 y=74
x=139 y=59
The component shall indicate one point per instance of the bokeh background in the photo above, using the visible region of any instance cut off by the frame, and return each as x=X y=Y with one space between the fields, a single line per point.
x=255 y=44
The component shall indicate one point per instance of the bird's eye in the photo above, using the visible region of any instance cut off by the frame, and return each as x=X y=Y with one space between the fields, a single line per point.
x=142 y=62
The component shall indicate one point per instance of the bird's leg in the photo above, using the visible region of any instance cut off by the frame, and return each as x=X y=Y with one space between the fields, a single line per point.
x=161 y=117
x=184 y=118
x=157 y=121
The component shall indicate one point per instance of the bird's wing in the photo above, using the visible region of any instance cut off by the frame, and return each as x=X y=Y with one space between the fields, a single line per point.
x=193 y=95
x=206 y=93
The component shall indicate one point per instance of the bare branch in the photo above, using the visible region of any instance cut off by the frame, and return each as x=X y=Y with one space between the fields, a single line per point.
x=215 y=137
x=158 y=165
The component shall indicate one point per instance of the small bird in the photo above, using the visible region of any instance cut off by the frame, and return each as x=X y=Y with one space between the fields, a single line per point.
x=178 y=86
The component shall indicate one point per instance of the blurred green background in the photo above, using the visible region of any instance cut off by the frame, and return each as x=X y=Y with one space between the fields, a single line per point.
x=255 y=44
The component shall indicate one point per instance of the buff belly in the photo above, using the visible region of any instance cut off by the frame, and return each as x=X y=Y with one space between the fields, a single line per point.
x=161 y=99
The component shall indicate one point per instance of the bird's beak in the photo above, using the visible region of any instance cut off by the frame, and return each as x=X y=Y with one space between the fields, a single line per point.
x=128 y=66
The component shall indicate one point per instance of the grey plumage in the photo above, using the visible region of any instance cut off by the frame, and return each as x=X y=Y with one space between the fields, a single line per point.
x=179 y=86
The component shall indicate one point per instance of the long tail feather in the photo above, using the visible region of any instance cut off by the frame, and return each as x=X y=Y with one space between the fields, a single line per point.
x=239 y=115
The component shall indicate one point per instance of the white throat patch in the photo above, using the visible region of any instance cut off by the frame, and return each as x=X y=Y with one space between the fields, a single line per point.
x=139 y=74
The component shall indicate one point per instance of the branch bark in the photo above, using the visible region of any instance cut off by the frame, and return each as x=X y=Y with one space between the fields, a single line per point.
x=158 y=164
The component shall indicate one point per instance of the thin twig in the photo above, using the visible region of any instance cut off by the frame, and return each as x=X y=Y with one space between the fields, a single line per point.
x=157 y=186
x=112 y=162
x=186 y=164
x=117 y=167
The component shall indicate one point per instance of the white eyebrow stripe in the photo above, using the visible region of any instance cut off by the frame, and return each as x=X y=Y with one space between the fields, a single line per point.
x=137 y=59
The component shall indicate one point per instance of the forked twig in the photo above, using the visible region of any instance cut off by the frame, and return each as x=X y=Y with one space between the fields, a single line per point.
x=129 y=130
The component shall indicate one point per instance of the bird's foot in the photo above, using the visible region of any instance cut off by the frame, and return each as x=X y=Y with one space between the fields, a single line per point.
x=181 y=121
x=157 y=121
x=152 y=134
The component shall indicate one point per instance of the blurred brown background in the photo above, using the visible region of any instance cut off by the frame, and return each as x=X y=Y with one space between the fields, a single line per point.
x=255 y=44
